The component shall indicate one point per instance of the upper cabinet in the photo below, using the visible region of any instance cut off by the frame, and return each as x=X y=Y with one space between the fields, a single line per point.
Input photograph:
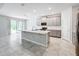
x=51 y=20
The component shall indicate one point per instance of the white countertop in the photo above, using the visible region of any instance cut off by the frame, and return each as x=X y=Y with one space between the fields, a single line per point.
x=39 y=31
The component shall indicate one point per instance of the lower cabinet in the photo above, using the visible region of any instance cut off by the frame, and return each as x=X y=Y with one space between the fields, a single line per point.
x=55 y=33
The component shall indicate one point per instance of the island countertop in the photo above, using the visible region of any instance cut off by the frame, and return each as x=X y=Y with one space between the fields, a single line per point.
x=39 y=31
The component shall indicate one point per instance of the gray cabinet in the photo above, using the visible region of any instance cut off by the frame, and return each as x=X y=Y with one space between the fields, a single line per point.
x=55 y=33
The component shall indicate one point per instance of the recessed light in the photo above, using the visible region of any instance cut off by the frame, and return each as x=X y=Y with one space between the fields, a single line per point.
x=52 y=12
x=24 y=15
x=49 y=8
x=34 y=10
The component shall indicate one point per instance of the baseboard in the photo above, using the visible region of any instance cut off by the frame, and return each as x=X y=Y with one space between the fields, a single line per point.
x=66 y=40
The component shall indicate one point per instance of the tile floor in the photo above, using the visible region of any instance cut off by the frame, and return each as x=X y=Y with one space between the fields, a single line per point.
x=12 y=46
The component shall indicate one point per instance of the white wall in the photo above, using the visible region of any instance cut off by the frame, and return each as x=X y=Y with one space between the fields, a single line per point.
x=66 y=24
x=4 y=26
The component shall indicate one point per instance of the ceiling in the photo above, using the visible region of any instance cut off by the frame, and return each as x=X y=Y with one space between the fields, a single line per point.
x=1 y=5
x=31 y=10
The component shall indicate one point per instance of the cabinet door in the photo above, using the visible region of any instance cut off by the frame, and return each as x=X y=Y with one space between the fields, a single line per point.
x=55 y=33
x=54 y=21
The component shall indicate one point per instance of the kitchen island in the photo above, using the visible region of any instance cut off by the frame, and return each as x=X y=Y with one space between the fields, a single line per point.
x=37 y=37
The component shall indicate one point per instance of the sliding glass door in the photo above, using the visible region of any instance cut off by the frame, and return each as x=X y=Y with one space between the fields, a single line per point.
x=18 y=25
x=21 y=25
